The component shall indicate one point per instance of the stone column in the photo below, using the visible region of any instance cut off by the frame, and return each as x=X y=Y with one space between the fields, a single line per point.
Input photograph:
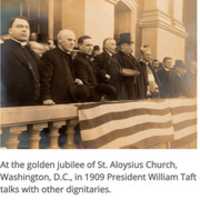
x=134 y=19
x=51 y=19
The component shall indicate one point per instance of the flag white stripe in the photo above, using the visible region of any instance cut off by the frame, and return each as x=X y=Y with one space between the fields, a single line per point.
x=110 y=108
x=135 y=138
x=185 y=132
x=96 y=132
x=94 y=112
x=172 y=103
x=183 y=117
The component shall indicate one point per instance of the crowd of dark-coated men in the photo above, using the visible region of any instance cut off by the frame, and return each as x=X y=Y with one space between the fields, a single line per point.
x=33 y=73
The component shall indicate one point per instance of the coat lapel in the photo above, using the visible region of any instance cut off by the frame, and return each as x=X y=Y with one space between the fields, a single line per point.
x=27 y=61
x=63 y=63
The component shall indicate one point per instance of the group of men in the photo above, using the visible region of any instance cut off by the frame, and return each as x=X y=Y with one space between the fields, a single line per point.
x=68 y=74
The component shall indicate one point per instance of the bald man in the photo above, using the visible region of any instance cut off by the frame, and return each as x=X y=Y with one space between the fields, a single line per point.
x=57 y=81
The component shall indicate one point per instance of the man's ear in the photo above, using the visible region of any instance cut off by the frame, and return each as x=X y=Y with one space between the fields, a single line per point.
x=79 y=46
x=59 y=40
x=9 y=31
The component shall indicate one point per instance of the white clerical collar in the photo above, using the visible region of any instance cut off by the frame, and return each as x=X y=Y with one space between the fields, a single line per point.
x=62 y=49
x=109 y=53
x=19 y=42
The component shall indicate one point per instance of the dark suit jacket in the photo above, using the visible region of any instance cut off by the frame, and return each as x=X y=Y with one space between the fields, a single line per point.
x=174 y=85
x=106 y=64
x=166 y=86
x=84 y=69
x=19 y=75
x=56 y=76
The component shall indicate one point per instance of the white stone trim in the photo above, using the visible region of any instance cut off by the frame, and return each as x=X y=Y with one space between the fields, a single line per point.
x=132 y=4
x=154 y=15
x=158 y=19
x=113 y=1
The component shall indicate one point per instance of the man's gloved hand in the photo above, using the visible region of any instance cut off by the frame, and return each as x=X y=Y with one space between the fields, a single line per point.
x=137 y=73
x=129 y=72
x=107 y=76
x=48 y=102
x=152 y=88
x=78 y=81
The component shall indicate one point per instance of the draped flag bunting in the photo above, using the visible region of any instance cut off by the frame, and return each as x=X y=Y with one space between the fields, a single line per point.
x=137 y=124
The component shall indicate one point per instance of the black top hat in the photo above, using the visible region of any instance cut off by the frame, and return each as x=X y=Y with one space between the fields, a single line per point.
x=125 y=38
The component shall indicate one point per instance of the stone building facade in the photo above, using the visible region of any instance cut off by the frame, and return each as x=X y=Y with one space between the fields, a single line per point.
x=158 y=23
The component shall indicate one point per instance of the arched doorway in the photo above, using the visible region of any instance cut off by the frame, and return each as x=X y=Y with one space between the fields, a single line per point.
x=126 y=20
x=122 y=19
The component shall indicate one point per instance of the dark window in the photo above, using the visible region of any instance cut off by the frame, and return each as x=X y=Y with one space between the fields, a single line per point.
x=35 y=10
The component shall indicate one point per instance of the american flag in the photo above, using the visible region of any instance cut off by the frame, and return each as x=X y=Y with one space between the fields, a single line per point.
x=138 y=124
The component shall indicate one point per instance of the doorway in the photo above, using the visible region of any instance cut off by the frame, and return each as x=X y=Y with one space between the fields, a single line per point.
x=122 y=19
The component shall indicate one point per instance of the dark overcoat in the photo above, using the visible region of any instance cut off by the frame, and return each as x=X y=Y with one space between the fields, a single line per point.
x=166 y=86
x=84 y=69
x=129 y=85
x=107 y=64
x=56 y=76
x=20 y=85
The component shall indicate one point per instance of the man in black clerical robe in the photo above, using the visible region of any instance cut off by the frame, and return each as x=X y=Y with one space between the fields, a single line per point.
x=20 y=85
x=57 y=81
